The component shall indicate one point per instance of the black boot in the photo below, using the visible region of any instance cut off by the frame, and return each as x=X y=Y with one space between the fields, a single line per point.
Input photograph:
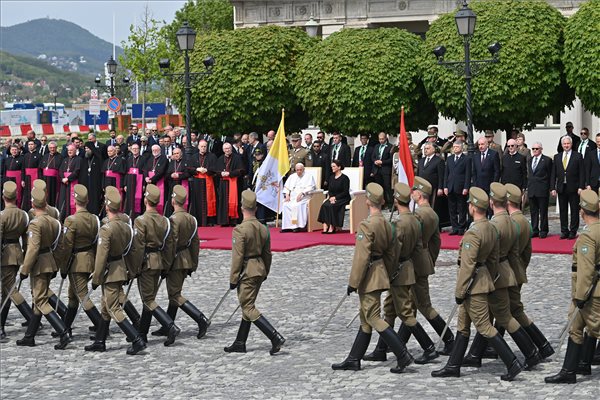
x=379 y=354
x=60 y=328
x=587 y=355
x=100 y=339
x=404 y=333
x=3 y=317
x=429 y=352
x=94 y=316
x=403 y=357
x=596 y=360
x=276 y=339
x=198 y=317
x=239 y=345
x=29 y=338
x=527 y=347
x=489 y=351
x=438 y=325
x=172 y=312
x=473 y=357
x=144 y=324
x=513 y=365
x=567 y=372
x=358 y=350
x=452 y=368
x=540 y=341
x=25 y=310
x=137 y=343
x=68 y=321
x=167 y=322
x=132 y=313
x=58 y=306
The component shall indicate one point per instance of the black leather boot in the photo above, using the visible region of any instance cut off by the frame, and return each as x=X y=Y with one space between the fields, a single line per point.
x=513 y=365
x=567 y=373
x=94 y=316
x=100 y=339
x=25 y=310
x=596 y=360
x=68 y=321
x=29 y=338
x=137 y=343
x=144 y=324
x=358 y=350
x=527 y=347
x=172 y=312
x=58 y=306
x=473 y=357
x=276 y=339
x=452 y=368
x=198 y=317
x=403 y=357
x=3 y=317
x=239 y=345
x=60 y=327
x=132 y=313
x=489 y=351
x=587 y=355
x=429 y=352
x=544 y=347
x=380 y=352
x=438 y=325
x=167 y=323
x=404 y=333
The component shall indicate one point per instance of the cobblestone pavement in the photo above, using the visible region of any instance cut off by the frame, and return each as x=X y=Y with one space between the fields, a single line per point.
x=301 y=291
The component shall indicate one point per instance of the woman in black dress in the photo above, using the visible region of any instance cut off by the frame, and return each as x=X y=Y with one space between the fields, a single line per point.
x=332 y=211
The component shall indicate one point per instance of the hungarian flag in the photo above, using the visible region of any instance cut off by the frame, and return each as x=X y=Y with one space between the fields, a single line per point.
x=406 y=173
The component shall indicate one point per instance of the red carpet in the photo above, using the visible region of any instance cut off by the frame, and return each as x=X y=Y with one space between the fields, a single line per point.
x=220 y=239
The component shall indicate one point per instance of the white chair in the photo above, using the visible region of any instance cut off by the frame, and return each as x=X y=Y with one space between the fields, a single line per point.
x=316 y=199
x=358 y=205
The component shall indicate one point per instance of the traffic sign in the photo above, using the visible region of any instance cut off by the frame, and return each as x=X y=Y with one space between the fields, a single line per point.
x=114 y=104
x=95 y=106
x=94 y=94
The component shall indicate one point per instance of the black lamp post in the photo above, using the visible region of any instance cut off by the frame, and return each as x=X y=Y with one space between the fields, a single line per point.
x=465 y=20
x=111 y=66
x=186 y=38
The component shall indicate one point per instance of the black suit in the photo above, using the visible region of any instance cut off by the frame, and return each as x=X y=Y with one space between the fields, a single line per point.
x=343 y=153
x=433 y=173
x=576 y=140
x=457 y=177
x=488 y=172
x=538 y=190
x=382 y=174
x=586 y=147
x=111 y=142
x=43 y=150
x=591 y=164
x=131 y=140
x=514 y=170
x=366 y=161
x=567 y=183
x=152 y=140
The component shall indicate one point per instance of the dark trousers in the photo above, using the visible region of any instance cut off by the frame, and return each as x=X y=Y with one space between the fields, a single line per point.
x=385 y=180
x=572 y=201
x=538 y=206
x=457 y=207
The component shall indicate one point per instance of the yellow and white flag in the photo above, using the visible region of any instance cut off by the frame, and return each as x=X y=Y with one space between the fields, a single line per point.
x=269 y=182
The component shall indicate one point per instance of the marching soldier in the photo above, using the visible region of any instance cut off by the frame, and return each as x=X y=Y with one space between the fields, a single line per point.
x=182 y=260
x=478 y=254
x=250 y=266
x=43 y=236
x=585 y=293
x=13 y=225
x=407 y=230
x=519 y=257
x=424 y=261
x=374 y=255
x=76 y=255
x=110 y=272
x=52 y=211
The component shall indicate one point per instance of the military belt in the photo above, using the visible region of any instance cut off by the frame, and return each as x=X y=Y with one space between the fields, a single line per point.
x=114 y=258
x=502 y=259
x=404 y=259
x=251 y=258
x=376 y=258
x=180 y=249
x=573 y=268
x=82 y=249
x=477 y=264
x=45 y=250
x=152 y=249
x=10 y=241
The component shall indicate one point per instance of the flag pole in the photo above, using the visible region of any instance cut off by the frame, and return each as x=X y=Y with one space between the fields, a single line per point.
x=278 y=205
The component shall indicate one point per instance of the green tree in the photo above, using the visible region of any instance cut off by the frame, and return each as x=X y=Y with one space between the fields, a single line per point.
x=251 y=80
x=524 y=87
x=358 y=79
x=582 y=54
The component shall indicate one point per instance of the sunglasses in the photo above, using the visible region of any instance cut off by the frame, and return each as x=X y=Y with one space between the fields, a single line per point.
x=511 y=145
x=535 y=148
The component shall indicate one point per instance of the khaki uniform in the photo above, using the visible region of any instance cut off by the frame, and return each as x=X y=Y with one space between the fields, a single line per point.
x=250 y=264
x=13 y=226
x=300 y=155
x=52 y=211
x=373 y=253
x=518 y=257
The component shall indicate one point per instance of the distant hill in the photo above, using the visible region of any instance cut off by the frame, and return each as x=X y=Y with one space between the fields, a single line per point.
x=57 y=42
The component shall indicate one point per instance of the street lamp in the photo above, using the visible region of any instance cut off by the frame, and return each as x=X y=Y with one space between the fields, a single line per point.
x=186 y=38
x=312 y=27
x=54 y=94
x=465 y=20
x=111 y=66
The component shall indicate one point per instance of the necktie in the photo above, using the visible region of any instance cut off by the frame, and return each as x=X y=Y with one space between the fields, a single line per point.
x=381 y=149
x=581 y=146
x=335 y=152
x=455 y=159
x=482 y=157
x=565 y=160
x=362 y=152
x=535 y=163
x=426 y=162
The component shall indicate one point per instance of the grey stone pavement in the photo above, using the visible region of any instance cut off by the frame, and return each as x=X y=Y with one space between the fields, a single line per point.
x=303 y=288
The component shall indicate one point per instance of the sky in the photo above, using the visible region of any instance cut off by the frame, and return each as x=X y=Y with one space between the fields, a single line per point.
x=95 y=16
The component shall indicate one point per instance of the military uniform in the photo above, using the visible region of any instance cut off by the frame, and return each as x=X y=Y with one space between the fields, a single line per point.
x=13 y=226
x=478 y=255
x=374 y=255
x=299 y=155
x=585 y=292
x=250 y=266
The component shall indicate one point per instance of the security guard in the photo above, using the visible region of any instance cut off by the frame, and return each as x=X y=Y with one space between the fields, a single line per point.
x=110 y=271
x=151 y=233
x=503 y=277
x=298 y=154
x=407 y=229
x=250 y=266
x=42 y=237
x=374 y=255
x=478 y=254
x=518 y=257
x=76 y=254
x=585 y=292
x=424 y=261
x=182 y=260
x=13 y=226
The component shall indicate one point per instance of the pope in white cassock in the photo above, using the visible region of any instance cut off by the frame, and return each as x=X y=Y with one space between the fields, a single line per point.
x=295 y=205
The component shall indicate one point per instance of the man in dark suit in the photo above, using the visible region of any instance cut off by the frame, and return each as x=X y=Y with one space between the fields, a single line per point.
x=576 y=139
x=324 y=146
x=253 y=145
x=153 y=138
x=381 y=172
x=591 y=164
x=339 y=150
x=586 y=145
x=457 y=181
x=44 y=147
x=113 y=138
x=486 y=167
x=363 y=157
x=538 y=189
x=431 y=168
x=134 y=136
x=567 y=181
x=514 y=166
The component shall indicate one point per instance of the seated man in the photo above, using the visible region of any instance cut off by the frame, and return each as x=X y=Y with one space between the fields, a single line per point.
x=295 y=204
